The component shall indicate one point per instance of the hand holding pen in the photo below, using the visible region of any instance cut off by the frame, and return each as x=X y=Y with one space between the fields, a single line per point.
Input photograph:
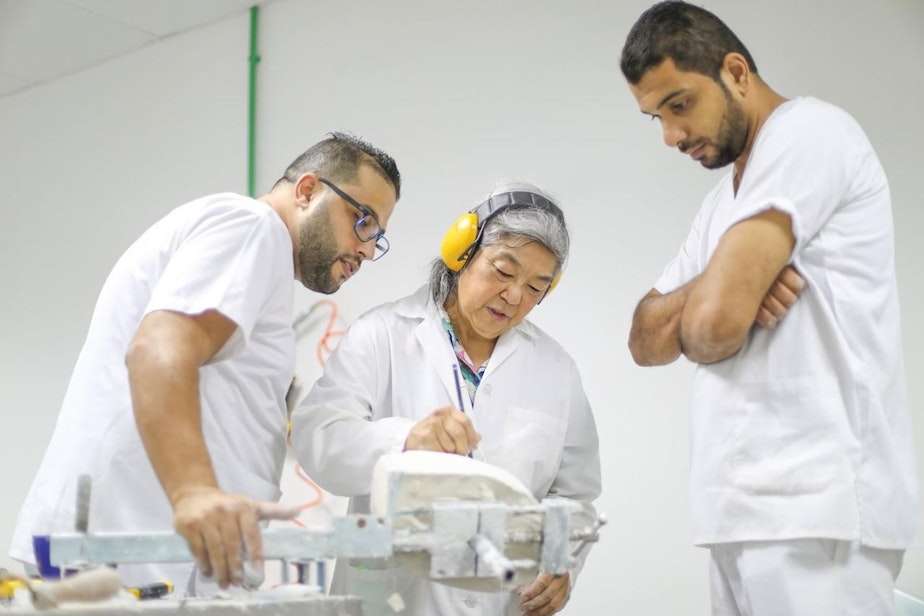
x=446 y=429
x=455 y=375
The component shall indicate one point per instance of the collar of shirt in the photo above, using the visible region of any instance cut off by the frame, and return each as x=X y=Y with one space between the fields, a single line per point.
x=470 y=373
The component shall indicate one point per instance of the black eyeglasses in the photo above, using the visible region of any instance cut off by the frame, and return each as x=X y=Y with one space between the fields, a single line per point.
x=367 y=227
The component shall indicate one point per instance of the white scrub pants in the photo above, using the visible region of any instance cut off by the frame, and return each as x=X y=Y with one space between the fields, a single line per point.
x=802 y=577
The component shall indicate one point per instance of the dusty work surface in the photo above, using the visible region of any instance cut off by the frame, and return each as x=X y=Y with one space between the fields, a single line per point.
x=320 y=605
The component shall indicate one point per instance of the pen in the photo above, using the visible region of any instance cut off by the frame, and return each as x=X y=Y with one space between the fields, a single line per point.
x=455 y=374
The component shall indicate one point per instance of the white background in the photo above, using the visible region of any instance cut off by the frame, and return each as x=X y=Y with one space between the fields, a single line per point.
x=461 y=94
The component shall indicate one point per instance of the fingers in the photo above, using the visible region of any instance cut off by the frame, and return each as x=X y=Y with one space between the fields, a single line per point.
x=197 y=547
x=766 y=319
x=447 y=430
x=781 y=298
x=442 y=437
x=782 y=295
x=250 y=535
x=546 y=595
x=472 y=438
x=276 y=511
x=771 y=312
x=458 y=427
x=791 y=279
x=223 y=530
x=217 y=563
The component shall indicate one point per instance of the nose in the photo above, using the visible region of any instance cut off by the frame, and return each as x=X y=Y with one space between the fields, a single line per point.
x=672 y=133
x=366 y=250
x=512 y=294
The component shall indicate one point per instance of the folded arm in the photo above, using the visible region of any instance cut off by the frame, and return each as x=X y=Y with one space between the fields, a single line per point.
x=746 y=282
x=655 y=336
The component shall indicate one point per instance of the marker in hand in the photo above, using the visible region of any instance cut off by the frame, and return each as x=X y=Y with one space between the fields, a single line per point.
x=455 y=374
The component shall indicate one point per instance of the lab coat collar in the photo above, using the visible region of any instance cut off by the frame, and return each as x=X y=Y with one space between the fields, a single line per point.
x=435 y=342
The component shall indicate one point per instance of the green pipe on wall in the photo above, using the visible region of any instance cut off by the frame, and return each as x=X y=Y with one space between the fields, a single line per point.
x=253 y=59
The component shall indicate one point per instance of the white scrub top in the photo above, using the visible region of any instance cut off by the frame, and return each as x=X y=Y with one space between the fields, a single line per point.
x=223 y=252
x=393 y=368
x=805 y=432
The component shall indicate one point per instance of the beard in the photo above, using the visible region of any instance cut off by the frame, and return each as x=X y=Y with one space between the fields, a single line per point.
x=317 y=254
x=732 y=135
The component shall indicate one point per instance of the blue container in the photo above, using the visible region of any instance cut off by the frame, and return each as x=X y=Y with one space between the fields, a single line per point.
x=40 y=547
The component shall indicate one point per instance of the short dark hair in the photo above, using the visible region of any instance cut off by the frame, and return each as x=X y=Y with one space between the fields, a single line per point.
x=695 y=39
x=338 y=159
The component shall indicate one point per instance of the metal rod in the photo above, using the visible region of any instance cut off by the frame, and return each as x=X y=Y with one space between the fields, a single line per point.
x=491 y=557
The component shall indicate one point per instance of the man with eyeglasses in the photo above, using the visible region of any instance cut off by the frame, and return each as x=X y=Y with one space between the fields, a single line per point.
x=176 y=408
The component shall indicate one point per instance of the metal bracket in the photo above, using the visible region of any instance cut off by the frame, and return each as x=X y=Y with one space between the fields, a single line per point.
x=352 y=535
x=467 y=540
x=556 y=553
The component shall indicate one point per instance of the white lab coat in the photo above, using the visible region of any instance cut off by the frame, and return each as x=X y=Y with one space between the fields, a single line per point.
x=392 y=369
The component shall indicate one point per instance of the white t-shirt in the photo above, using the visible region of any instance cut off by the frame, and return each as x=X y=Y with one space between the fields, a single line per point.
x=805 y=432
x=223 y=252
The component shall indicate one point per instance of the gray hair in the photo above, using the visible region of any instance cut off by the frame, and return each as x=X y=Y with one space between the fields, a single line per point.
x=530 y=223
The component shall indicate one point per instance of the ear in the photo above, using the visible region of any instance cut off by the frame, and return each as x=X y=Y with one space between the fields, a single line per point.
x=305 y=189
x=735 y=66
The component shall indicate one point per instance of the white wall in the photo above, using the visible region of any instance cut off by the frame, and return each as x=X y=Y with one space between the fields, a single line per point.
x=460 y=94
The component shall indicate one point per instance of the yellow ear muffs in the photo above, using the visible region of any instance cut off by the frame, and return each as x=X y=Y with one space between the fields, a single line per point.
x=554 y=282
x=552 y=285
x=458 y=240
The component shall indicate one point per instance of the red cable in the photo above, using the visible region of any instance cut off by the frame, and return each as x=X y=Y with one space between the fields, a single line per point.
x=312 y=503
x=329 y=331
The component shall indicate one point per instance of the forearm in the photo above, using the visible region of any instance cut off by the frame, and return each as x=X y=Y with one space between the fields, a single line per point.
x=339 y=449
x=723 y=305
x=708 y=332
x=707 y=348
x=165 y=398
x=655 y=338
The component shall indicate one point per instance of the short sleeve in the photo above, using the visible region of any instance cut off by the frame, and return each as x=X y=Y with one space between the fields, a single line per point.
x=802 y=164
x=685 y=266
x=228 y=260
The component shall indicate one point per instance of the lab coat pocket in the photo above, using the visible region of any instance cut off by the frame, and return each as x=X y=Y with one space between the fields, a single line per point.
x=788 y=436
x=529 y=444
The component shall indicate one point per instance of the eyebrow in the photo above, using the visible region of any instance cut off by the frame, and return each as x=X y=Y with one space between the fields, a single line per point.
x=665 y=100
x=362 y=207
x=509 y=256
x=378 y=220
x=374 y=214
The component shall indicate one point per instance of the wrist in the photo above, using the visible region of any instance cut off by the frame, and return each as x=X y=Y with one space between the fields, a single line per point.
x=189 y=490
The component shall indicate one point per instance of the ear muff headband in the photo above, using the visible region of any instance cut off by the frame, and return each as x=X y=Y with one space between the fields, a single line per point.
x=463 y=237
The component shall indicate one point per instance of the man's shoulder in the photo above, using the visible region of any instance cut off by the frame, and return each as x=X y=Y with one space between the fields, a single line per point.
x=226 y=213
x=226 y=204
x=808 y=116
